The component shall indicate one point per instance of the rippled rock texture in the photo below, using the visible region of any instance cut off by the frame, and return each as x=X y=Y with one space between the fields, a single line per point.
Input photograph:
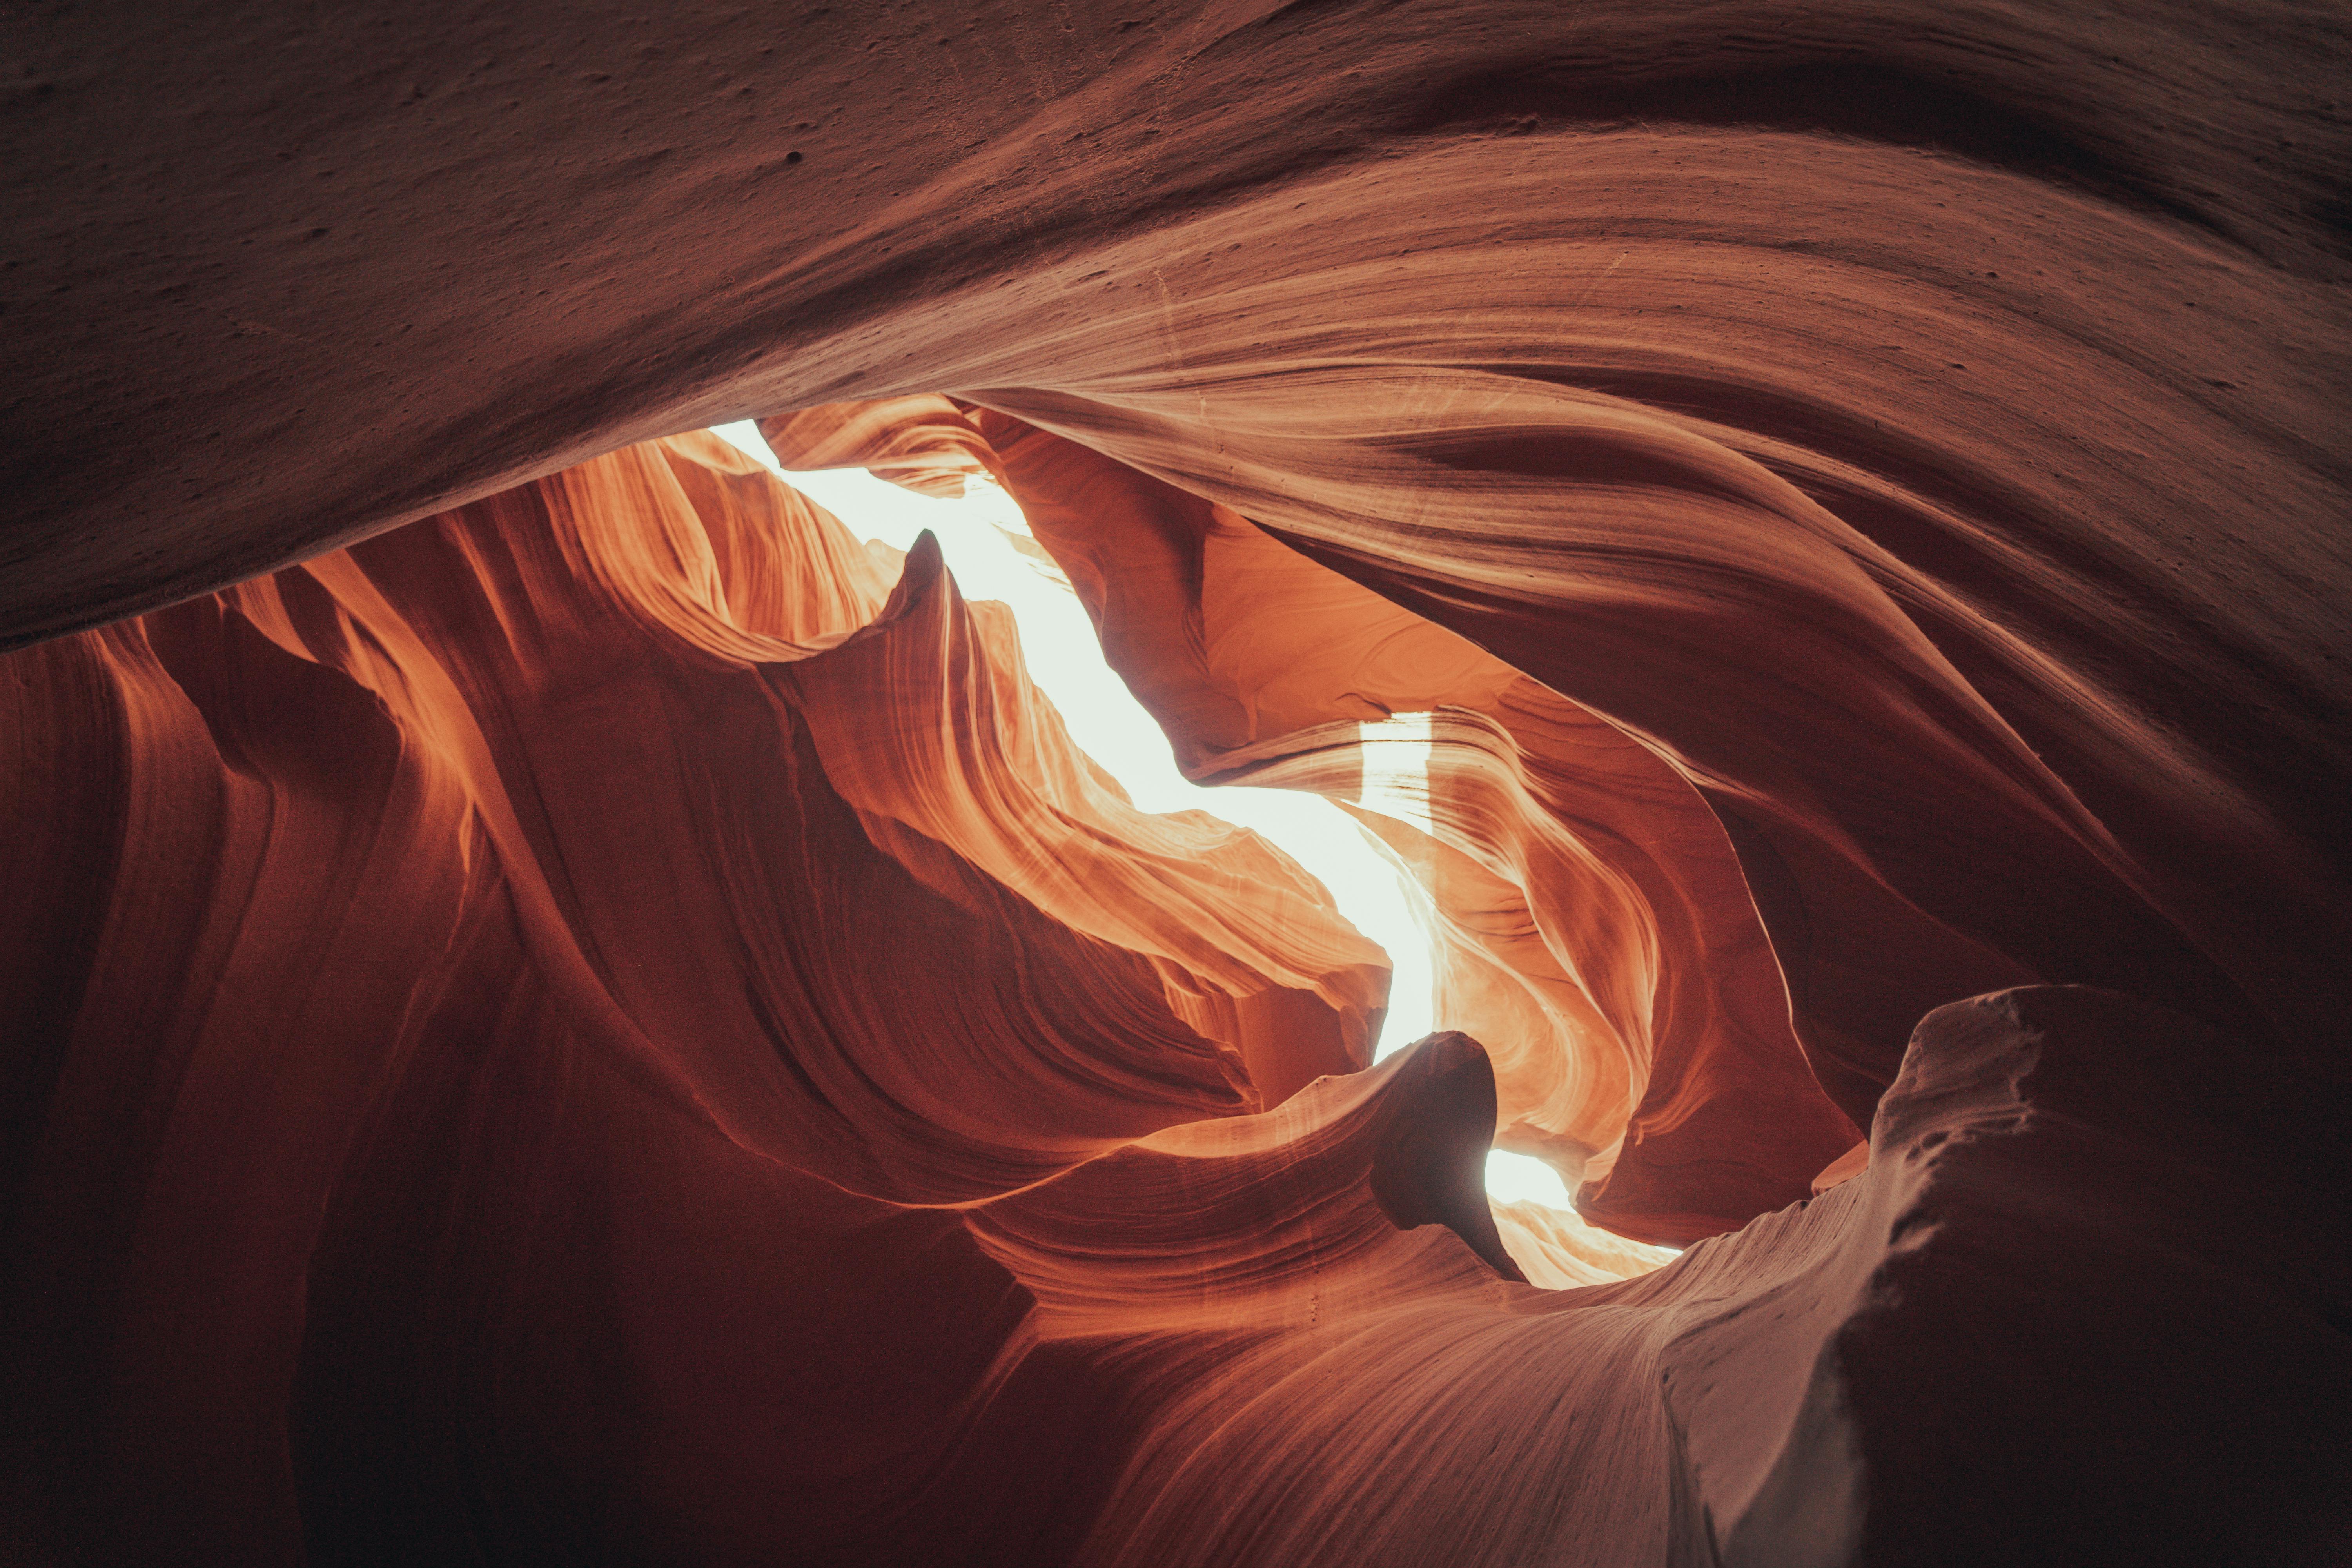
x=560 y=1008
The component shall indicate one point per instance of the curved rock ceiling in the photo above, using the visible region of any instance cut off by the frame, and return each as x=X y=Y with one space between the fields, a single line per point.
x=560 y=1008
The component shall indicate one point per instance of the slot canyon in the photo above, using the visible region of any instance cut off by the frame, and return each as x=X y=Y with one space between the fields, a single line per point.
x=563 y=1002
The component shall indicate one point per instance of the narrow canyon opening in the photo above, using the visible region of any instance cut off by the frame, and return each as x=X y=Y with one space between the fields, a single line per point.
x=987 y=546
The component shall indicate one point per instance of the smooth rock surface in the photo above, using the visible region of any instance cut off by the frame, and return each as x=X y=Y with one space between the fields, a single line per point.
x=560 y=1008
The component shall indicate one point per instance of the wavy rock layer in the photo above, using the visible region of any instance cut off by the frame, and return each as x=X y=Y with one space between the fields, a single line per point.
x=466 y=1097
x=382 y=899
x=1594 y=928
x=708 y=1159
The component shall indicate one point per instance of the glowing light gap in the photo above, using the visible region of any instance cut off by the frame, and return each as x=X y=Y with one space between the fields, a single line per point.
x=1066 y=662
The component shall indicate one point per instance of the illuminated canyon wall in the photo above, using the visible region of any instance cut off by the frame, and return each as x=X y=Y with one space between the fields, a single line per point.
x=562 y=1008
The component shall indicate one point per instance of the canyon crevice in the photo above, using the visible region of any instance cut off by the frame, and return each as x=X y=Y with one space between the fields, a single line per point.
x=560 y=1006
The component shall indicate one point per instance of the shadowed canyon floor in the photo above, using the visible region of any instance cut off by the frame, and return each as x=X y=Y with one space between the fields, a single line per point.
x=561 y=1006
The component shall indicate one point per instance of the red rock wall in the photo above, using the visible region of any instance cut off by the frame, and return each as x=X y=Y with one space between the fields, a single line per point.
x=1595 y=931
x=385 y=901
x=464 y=1098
